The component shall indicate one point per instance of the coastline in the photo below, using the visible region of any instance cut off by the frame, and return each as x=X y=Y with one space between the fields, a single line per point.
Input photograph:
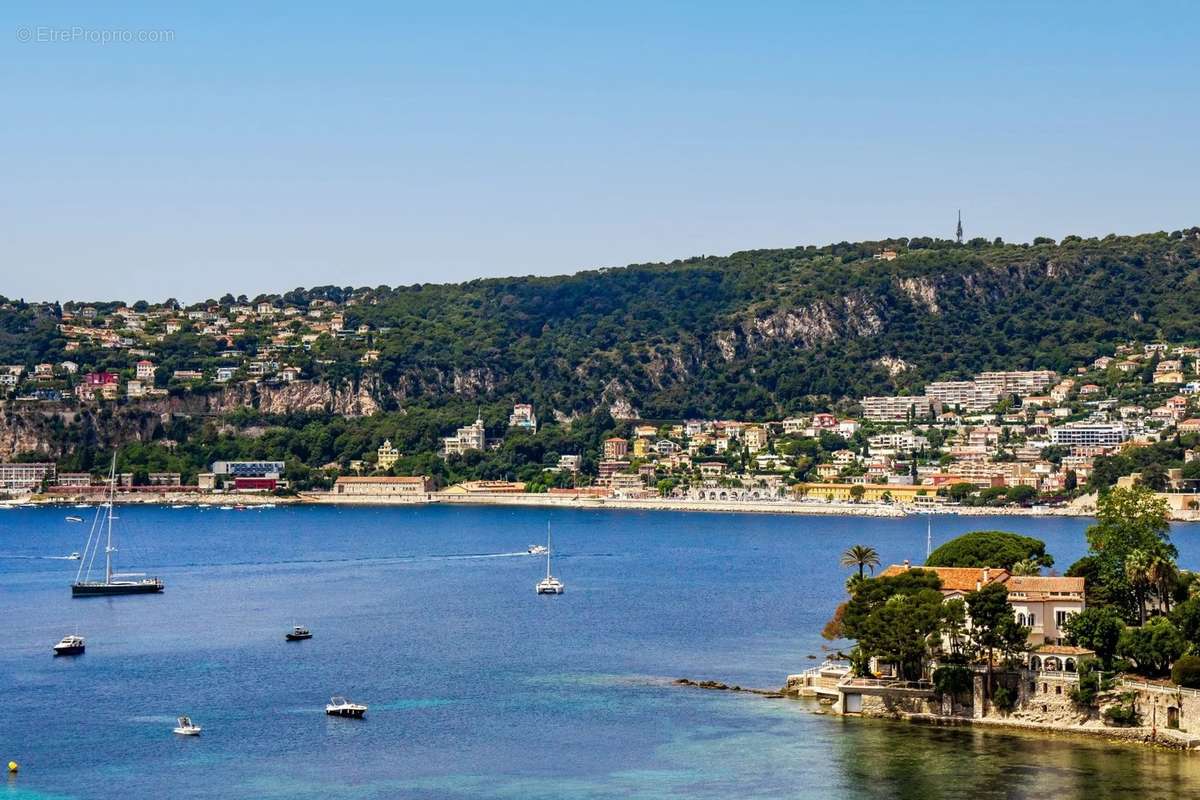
x=781 y=507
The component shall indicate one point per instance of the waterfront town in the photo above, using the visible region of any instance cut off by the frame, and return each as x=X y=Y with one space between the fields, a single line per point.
x=981 y=634
x=1012 y=439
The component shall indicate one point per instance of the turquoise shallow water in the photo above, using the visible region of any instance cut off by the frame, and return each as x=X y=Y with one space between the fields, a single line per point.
x=477 y=687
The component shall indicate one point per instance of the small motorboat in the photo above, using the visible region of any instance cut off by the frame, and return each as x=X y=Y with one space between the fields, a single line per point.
x=73 y=518
x=298 y=633
x=227 y=508
x=82 y=505
x=341 y=707
x=187 y=727
x=74 y=556
x=71 y=645
x=537 y=550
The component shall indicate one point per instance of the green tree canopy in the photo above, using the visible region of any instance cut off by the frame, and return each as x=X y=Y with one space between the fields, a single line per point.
x=1129 y=541
x=1097 y=629
x=989 y=549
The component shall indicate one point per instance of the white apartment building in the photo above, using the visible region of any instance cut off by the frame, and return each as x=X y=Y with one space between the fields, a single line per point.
x=1105 y=434
x=895 y=409
x=1022 y=384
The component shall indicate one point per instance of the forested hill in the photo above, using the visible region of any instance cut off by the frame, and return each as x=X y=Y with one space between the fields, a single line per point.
x=753 y=334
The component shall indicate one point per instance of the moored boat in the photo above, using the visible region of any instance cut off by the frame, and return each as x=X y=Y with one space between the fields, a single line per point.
x=113 y=583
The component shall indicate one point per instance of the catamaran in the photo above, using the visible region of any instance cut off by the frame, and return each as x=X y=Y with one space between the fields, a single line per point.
x=113 y=583
x=549 y=584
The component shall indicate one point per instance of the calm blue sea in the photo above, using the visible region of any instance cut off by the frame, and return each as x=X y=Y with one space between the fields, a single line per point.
x=477 y=687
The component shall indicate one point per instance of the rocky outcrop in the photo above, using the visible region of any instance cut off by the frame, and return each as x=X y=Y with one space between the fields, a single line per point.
x=345 y=400
x=921 y=291
x=616 y=397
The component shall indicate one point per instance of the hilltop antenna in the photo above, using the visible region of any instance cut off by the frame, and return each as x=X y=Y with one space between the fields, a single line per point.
x=958 y=230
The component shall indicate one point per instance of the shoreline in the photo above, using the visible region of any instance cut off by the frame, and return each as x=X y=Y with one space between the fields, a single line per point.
x=778 y=507
x=1164 y=738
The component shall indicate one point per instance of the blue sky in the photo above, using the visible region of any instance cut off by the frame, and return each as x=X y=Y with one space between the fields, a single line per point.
x=269 y=146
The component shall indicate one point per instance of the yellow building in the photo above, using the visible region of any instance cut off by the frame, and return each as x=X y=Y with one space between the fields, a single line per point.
x=641 y=447
x=872 y=492
x=388 y=455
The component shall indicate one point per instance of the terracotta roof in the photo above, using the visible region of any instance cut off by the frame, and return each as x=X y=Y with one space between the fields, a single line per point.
x=955 y=579
x=380 y=479
x=1037 y=584
x=1062 y=650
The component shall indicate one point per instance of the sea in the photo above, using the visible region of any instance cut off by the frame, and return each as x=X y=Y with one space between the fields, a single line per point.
x=476 y=686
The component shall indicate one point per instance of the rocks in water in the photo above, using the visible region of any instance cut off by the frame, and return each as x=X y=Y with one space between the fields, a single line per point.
x=724 y=687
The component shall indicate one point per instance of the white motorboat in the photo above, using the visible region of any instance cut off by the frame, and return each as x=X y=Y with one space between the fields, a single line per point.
x=339 y=706
x=74 y=556
x=71 y=645
x=74 y=518
x=537 y=550
x=187 y=727
x=549 y=584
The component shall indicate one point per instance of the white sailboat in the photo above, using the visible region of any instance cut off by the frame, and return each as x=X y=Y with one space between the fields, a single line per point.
x=113 y=583
x=549 y=584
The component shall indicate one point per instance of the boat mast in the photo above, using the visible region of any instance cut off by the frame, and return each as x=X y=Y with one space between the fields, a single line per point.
x=112 y=494
x=928 y=537
x=547 y=549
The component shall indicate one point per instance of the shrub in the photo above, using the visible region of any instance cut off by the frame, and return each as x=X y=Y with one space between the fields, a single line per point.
x=1091 y=683
x=1122 y=714
x=1004 y=699
x=1186 y=672
x=952 y=679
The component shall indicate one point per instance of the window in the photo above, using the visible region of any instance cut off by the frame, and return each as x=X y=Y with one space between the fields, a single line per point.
x=1032 y=620
x=1061 y=617
x=1058 y=689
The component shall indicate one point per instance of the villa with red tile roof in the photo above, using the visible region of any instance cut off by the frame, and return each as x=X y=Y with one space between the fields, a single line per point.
x=1044 y=603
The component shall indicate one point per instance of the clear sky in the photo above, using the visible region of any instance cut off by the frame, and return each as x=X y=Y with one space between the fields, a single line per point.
x=268 y=146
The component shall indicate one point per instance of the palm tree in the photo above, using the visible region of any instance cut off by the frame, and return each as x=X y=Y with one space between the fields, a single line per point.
x=1162 y=575
x=1137 y=569
x=1026 y=566
x=861 y=556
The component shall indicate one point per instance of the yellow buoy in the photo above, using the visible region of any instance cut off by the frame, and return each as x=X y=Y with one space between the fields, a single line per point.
x=13 y=766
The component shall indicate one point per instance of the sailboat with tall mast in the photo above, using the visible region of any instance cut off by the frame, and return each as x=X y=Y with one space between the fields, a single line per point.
x=102 y=533
x=549 y=584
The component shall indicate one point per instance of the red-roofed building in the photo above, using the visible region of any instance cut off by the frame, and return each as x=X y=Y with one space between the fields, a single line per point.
x=102 y=378
x=1044 y=603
